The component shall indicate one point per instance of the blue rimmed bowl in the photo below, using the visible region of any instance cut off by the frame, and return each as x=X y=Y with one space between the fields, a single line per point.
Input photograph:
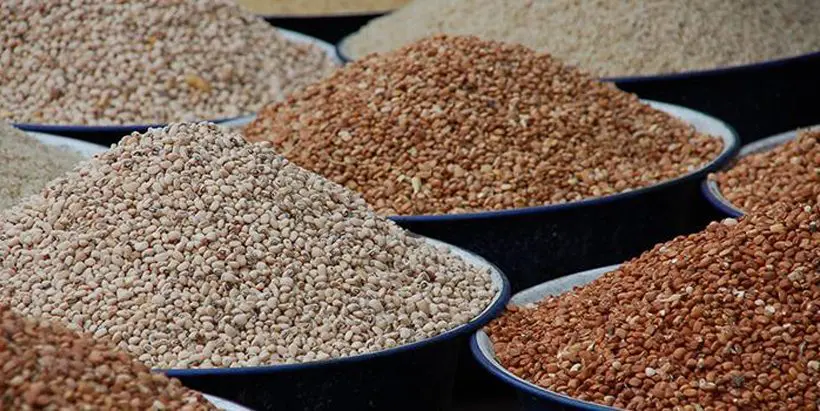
x=535 y=244
x=110 y=134
x=711 y=190
x=223 y=404
x=531 y=397
x=417 y=376
x=85 y=148
x=757 y=99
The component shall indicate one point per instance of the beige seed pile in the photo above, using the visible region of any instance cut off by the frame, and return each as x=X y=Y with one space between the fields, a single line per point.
x=189 y=247
x=790 y=171
x=454 y=124
x=46 y=366
x=316 y=7
x=613 y=37
x=726 y=319
x=144 y=61
x=26 y=165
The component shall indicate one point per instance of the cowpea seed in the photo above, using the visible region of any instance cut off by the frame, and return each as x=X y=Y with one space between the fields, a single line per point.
x=685 y=323
x=316 y=256
x=455 y=124
x=144 y=62
x=47 y=366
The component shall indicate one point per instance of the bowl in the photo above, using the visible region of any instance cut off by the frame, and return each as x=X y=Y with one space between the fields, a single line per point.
x=531 y=396
x=757 y=99
x=86 y=149
x=327 y=27
x=417 y=376
x=535 y=244
x=110 y=134
x=710 y=188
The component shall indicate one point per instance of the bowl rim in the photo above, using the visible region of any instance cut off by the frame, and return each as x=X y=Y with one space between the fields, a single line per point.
x=125 y=129
x=341 y=46
x=85 y=148
x=223 y=404
x=344 y=14
x=483 y=352
x=731 y=144
x=492 y=310
x=711 y=190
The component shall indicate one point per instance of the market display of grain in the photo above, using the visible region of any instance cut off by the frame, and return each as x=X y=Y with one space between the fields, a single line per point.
x=319 y=7
x=46 y=366
x=612 y=37
x=144 y=61
x=723 y=319
x=26 y=165
x=790 y=171
x=457 y=124
x=188 y=247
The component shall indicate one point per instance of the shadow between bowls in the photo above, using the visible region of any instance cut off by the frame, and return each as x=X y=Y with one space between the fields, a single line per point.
x=535 y=244
x=328 y=27
x=757 y=99
x=531 y=397
x=417 y=376
x=710 y=188
x=111 y=134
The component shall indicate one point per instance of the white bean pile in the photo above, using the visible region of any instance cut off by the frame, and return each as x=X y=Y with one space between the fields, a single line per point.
x=189 y=247
x=97 y=62
x=613 y=37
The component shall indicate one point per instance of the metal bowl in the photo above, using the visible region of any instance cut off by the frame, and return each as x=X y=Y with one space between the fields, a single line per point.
x=710 y=188
x=531 y=396
x=110 y=134
x=417 y=376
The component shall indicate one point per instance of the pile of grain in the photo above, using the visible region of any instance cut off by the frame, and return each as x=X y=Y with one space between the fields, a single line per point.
x=319 y=7
x=454 y=124
x=790 y=171
x=26 y=165
x=188 y=247
x=723 y=319
x=46 y=366
x=613 y=37
x=144 y=61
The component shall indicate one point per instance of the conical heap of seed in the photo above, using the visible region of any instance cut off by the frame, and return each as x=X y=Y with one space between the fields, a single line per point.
x=189 y=247
x=726 y=318
x=454 y=124
x=144 y=61
x=790 y=171
x=47 y=366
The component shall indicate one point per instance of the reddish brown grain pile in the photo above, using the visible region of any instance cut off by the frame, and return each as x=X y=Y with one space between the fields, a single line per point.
x=48 y=366
x=790 y=171
x=723 y=319
x=455 y=124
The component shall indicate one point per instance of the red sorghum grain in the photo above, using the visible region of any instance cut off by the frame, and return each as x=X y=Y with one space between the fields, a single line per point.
x=47 y=366
x=723 y=319
x=455 y=124
x=789 y=171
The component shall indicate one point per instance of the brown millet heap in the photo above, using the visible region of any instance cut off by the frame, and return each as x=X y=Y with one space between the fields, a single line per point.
x=788 y=172
x=457 y=124
x=723 y=319
x=47 y=366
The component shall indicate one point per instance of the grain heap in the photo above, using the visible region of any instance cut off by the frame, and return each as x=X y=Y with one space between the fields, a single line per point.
x=454 y=124
x=790 y=171
x=723 y=319
x=46 y=366
x=189 y=247
x=143 y=61
x=319 y=7
x=26 y=165
x=612 y=37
